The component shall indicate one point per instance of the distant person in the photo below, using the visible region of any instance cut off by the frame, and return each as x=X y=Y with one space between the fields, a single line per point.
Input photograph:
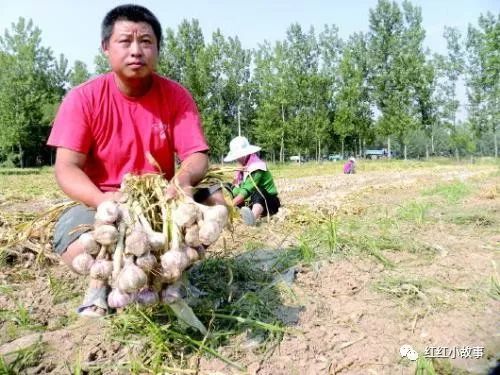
x=105 y=127
x=253 y=187
x=350 y=166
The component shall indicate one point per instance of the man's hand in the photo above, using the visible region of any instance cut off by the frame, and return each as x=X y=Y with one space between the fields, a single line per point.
x=116 y=196
x=175 y=189
x=191 y=172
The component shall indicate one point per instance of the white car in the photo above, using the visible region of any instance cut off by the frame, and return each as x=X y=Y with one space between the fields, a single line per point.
x=297 y=158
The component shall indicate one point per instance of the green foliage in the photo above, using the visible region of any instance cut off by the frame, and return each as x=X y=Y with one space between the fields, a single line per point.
x=453 y=192
x=101 y=64
x=16 y=362
x=79 y=74
x=483 y=75
x=309 y=94
x=31 y=79
x=415 y=211
x=239 y=300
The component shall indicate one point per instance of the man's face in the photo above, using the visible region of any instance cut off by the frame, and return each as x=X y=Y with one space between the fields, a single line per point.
x=132 y=49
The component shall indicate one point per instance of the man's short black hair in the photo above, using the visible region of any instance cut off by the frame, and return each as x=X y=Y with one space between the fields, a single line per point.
x=129 y=12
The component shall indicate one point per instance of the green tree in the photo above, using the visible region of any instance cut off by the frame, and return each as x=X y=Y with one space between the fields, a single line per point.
x=482 y=78
x=271 y=82
x=27 y=85
x=79 y=73
x=353 y=112
x=397 y=59
x=101 y=64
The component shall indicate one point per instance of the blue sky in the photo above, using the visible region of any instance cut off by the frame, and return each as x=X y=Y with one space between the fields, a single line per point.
x=72 y=27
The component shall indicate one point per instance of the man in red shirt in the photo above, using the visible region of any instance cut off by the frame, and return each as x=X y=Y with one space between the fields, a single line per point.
x=105 y=127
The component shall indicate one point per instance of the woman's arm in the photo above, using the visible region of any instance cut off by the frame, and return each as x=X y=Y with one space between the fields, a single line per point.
x=247 y=188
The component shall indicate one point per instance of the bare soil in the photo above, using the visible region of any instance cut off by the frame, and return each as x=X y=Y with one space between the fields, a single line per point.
x=345 y=324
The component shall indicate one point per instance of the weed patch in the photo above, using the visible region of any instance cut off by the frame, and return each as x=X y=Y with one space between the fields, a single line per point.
x=451 y=192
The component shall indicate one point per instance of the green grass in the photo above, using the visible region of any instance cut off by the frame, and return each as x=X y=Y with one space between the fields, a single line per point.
x=21 y=317
x=19 y=171
x=451 y=192
x=482 y=219
x=415 y=211
x=424 y=366
x=311 y=168
x=59 y=290
x=22 y=187
x=14 y=363
x=239 y=299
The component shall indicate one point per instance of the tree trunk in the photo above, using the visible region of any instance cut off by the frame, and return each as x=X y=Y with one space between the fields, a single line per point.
x=404 y=150
x=432 y=143
x=319 y=150
x=457 y=154
x=342 y=149
x=21 y=155
x=426 y=151
x=282 y=141
x=495 y=141
x=389 y=147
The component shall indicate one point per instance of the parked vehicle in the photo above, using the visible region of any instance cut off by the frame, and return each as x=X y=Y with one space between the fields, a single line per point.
x=335 y=157
x=375 y=154
x=297 y=159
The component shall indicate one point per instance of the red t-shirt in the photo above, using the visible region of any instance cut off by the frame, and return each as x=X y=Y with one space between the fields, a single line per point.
x=115 y=131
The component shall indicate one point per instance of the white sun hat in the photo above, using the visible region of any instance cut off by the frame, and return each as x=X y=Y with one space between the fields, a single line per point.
x=239 y=147
x=352 y=159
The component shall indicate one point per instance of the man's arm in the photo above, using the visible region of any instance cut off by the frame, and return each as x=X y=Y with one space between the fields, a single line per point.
x=73 y=180
x=191 y=172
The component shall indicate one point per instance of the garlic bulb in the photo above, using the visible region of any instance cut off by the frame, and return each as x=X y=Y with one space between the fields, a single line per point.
x=146 y=262
x=173 y=262
x=89 y=244
x=131 y=277
x=209 y=232
x=172 y=293
x=124 y=215
x=218 y=213
x=157 y=240
x=147 y=296
x=106 y=234
x=101 y=269
x=191 y=238
x=107 y=212
x=170 y=274
x=118 y=299
x=185 y=214
x=192 y=255
x=82 y=263
x=174 y=258
x=137 y=243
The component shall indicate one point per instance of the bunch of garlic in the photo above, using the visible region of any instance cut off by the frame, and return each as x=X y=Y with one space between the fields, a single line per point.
x=140 y=264
x=195 y=226
x=99 y=244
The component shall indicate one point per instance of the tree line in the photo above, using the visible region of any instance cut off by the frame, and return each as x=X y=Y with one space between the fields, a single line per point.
x=310 y=94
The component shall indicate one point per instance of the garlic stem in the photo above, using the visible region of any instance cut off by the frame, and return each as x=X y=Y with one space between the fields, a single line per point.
x=102 y=252
x=118 y=254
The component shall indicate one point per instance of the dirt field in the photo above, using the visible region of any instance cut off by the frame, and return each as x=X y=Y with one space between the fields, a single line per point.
x=388 y=257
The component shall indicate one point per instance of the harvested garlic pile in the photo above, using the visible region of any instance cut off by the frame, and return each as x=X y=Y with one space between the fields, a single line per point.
x=143 y=265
